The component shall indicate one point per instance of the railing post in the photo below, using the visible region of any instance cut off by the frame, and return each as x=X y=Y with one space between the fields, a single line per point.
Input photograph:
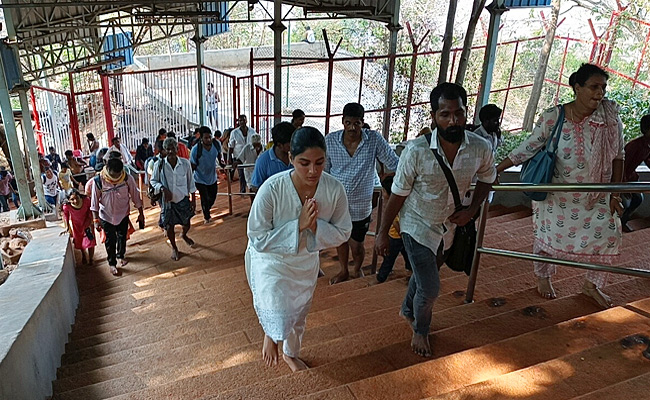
x=469 y=296
x=37 y=121
x=72 y=110
x=512 y=69
x=108 y=112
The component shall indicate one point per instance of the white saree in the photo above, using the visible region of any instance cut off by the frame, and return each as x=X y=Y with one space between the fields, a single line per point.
x=281 y=263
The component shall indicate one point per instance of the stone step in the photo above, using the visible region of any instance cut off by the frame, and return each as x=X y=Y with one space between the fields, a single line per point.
x=450 y=372
x=343 y=358
x=563 y=378
x=634 y=388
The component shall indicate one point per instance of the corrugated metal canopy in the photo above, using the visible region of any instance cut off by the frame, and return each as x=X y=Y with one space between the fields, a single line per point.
x=55 y=35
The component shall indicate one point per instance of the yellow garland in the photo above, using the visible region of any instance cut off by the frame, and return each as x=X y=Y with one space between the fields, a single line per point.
x=105 y=176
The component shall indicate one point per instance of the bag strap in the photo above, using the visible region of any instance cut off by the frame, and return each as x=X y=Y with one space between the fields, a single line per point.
x=98 y=182
x=448 y=174
x=554 y=139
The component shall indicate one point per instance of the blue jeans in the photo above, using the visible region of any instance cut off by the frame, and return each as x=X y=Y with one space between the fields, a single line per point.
x=395 y=247
x=424 y=285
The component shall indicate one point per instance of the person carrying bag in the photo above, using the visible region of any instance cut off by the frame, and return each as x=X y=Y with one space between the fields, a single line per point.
x=540 y=168
x=461 y=254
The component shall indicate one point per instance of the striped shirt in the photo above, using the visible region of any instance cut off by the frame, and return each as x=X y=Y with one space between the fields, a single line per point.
x=357 y=172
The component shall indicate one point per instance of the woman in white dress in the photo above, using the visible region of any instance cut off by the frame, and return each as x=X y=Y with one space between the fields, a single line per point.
x=295 y=214
x=579 y=226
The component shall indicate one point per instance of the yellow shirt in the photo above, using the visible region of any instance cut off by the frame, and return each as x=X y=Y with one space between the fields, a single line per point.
x=394 y=233
x=65 y=178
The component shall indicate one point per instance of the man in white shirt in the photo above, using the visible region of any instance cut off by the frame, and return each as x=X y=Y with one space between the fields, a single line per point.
x=249 y=155
x=127 y=158
x=177 y=183
x=239 y=137
x=212 y=101
x=428 y=217
x=489 y=129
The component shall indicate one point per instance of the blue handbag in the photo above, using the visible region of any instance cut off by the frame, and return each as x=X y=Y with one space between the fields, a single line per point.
x=540 y=168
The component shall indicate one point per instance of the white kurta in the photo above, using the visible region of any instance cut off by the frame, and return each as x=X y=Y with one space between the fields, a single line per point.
x=281 y=263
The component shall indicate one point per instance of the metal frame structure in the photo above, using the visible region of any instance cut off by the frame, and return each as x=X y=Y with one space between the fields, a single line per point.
x=53 y=37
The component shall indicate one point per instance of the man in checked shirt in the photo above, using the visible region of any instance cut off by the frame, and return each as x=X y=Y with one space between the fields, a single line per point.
x=351 y=156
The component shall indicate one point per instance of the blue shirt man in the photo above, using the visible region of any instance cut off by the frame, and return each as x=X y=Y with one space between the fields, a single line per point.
x=351 y=156
x=275 y=159
x=203 y=158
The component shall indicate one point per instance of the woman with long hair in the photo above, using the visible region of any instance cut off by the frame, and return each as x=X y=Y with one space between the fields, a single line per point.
x=295 y=214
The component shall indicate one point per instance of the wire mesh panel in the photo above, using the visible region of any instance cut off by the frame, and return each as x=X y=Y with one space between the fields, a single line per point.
x=143 y=102
x=221 y=107
x=263 y=112
x=90 y=116
x=246 y=93
x=52 y=119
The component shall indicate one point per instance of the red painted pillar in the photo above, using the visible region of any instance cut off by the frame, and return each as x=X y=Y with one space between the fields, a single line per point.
x=108 y=114
x=37 y=122
x=74 y=120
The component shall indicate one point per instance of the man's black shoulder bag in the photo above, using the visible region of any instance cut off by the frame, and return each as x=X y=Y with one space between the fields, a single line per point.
x=461 y=254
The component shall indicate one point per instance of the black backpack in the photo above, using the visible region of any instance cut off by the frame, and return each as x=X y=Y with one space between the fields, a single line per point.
x=199 y=150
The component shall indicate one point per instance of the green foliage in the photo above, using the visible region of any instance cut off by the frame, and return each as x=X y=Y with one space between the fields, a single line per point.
x=634 y=105
x=510 y=141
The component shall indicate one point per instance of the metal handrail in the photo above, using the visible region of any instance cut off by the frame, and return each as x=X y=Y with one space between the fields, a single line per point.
x=227 y=169
x=632 y=187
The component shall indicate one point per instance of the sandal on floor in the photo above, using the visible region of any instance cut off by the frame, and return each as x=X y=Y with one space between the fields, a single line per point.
x=114 y=270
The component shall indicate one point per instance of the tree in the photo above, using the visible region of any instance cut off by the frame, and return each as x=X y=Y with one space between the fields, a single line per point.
x=447 y=41
x=538 y=81
x=477 y=8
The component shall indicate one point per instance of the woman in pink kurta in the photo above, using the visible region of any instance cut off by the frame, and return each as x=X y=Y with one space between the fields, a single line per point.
x=78 y=221
x=579 y=226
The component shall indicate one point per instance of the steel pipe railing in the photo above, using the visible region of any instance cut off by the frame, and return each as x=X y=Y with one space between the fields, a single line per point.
x=632 y=187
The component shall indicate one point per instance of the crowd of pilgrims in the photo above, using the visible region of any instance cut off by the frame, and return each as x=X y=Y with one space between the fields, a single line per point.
x=311 y=192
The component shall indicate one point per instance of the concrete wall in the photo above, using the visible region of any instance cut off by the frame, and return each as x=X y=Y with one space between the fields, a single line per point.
x=38 y=304
x=222 y=59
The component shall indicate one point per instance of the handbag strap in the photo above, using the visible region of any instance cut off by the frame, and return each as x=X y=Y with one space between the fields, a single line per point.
x=448 y=174
x=553 y=140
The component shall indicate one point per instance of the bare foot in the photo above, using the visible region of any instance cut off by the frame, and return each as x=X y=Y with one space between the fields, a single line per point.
x=175 y=255
x=189 y=241
x=545 y=289
x=270 y=352
x=408 y=319
x=295 y=363
x=114 y=270
x=340 y=277
x=420 y=345
x=591 y=290
x=123 y=262
x=357 y=273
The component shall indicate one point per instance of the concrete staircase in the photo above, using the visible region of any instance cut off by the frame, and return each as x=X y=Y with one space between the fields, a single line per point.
x=187 y=329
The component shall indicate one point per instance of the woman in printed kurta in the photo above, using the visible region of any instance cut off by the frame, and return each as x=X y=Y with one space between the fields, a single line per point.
x=295 y=214
x=579 y=226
